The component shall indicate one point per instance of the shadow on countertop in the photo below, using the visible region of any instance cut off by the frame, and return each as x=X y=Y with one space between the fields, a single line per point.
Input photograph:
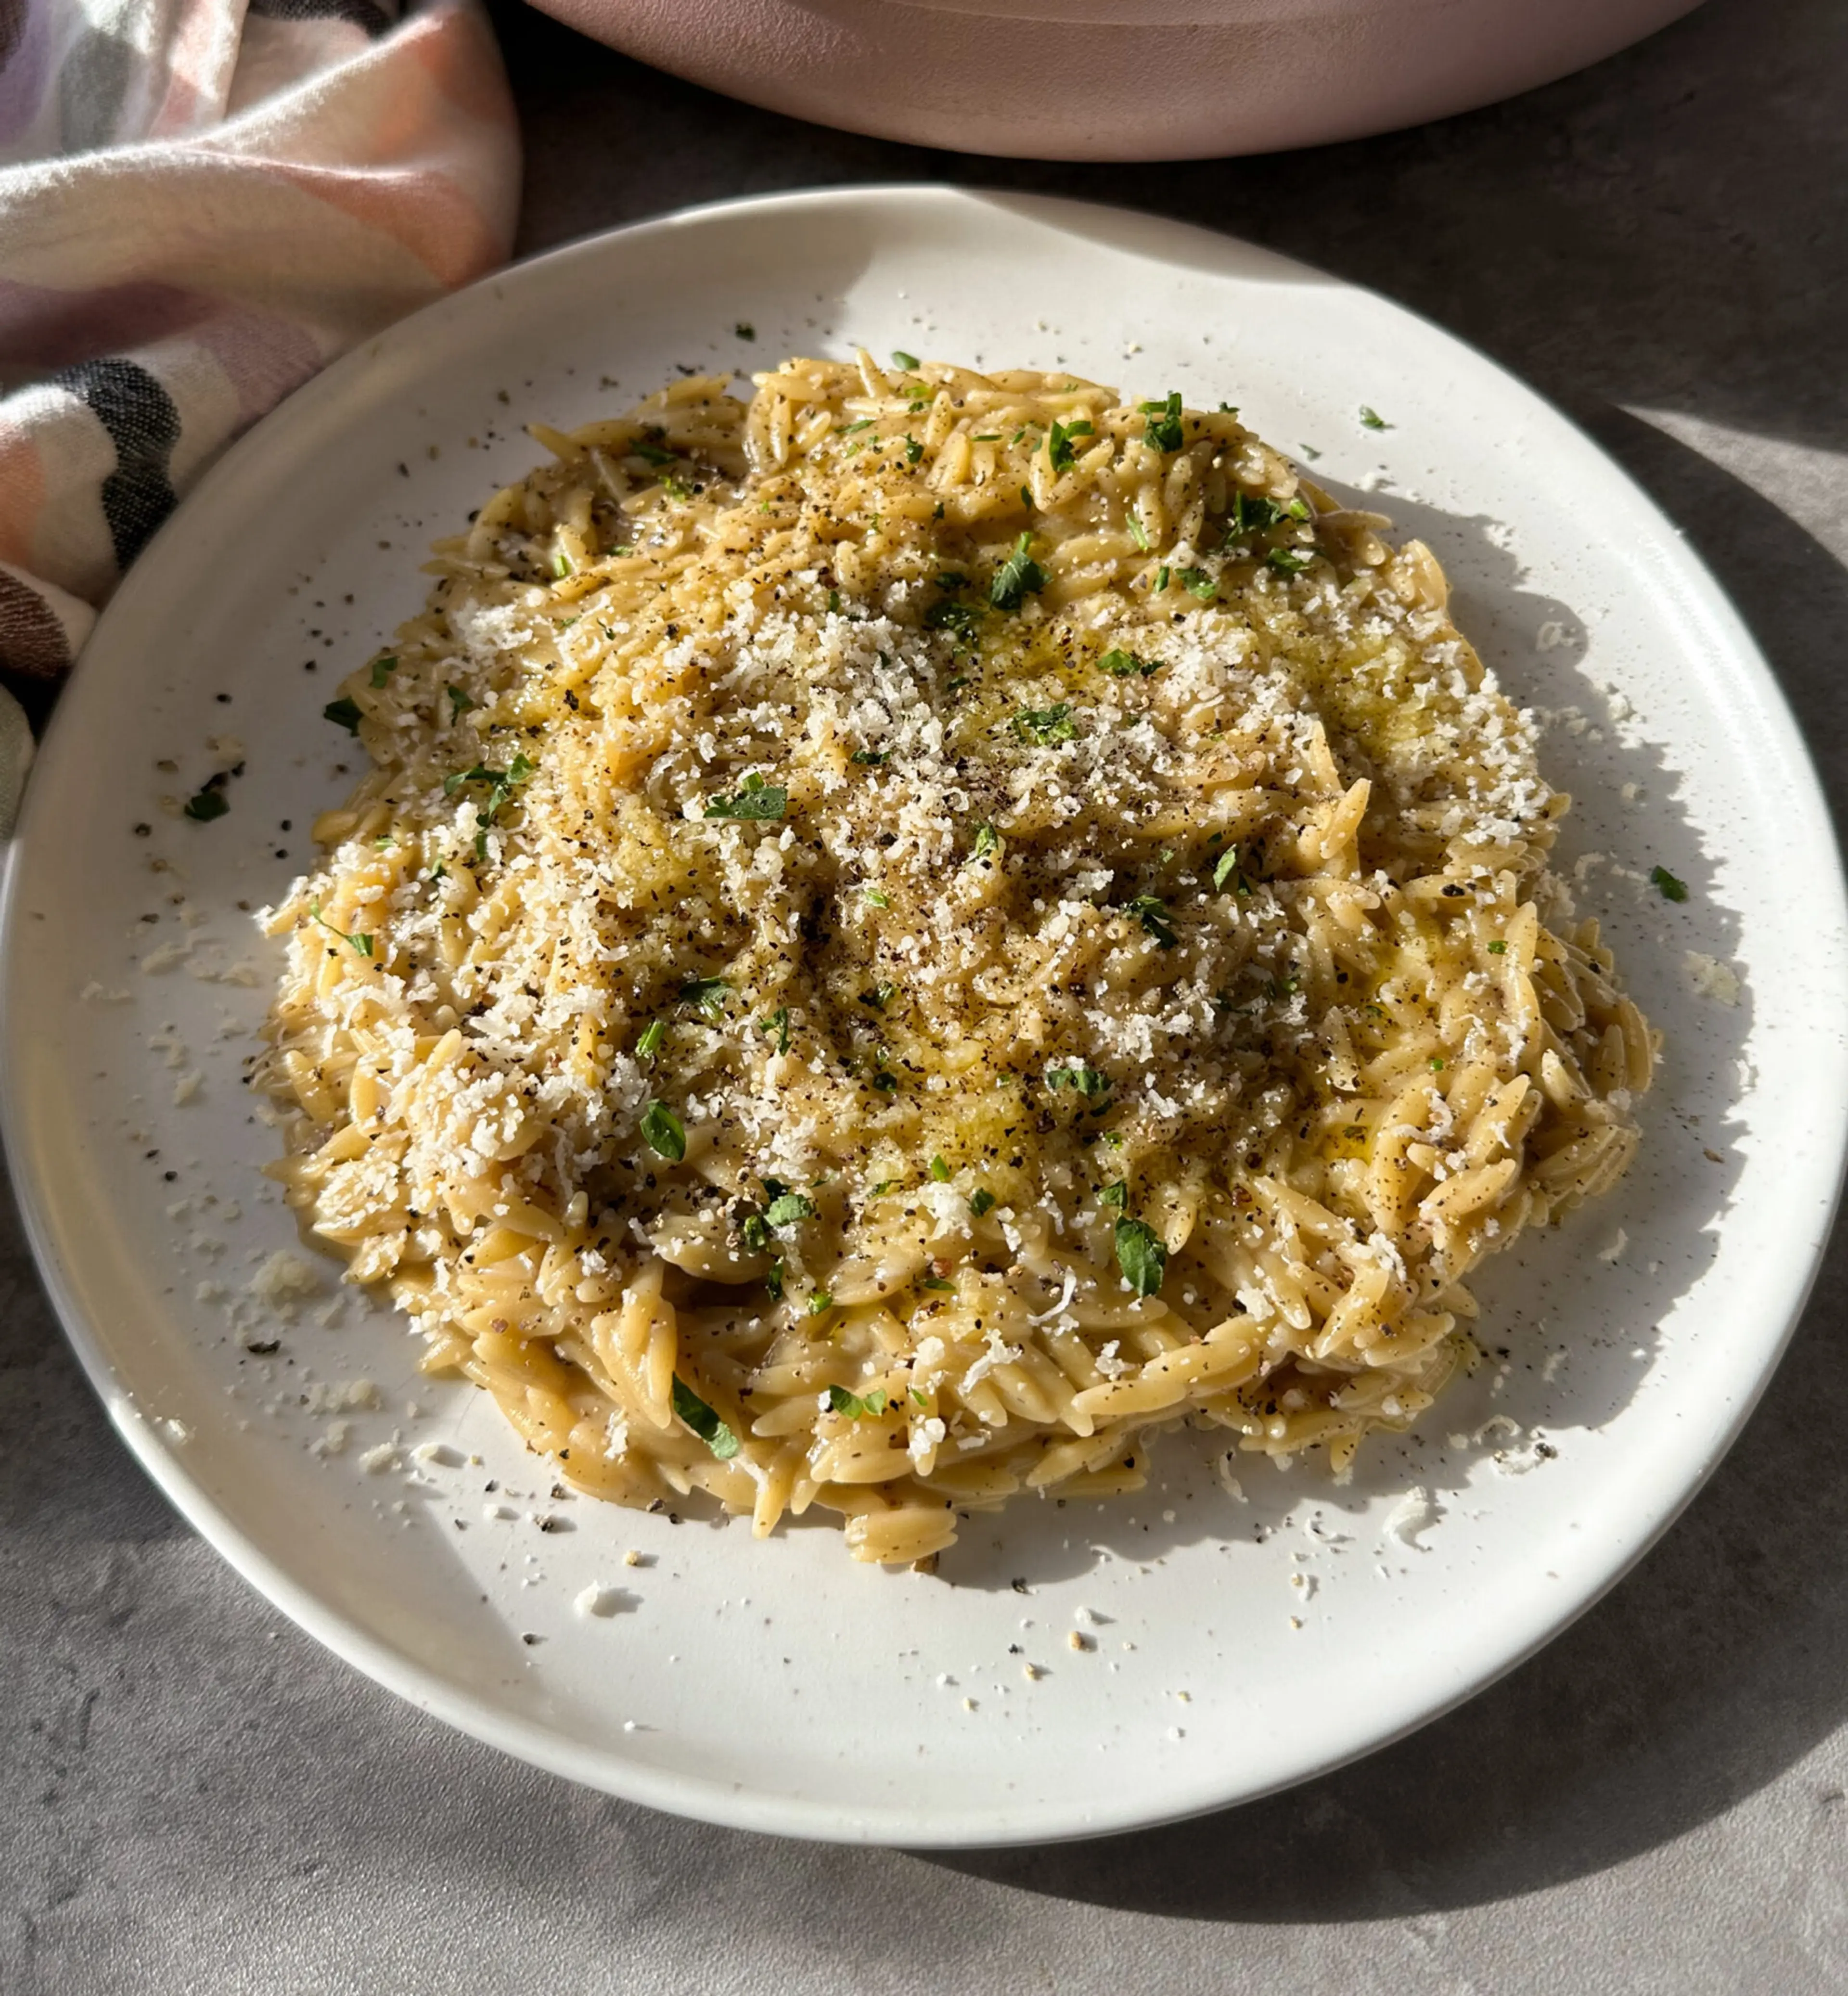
x=1622 y=235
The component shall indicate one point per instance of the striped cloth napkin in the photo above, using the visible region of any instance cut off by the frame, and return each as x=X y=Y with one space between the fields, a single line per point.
x=201 y=202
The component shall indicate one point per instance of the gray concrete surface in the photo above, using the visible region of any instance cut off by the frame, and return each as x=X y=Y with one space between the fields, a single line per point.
x=194 y=1798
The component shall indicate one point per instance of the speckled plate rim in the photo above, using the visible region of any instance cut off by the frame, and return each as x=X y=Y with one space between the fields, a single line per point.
x=716 y=1801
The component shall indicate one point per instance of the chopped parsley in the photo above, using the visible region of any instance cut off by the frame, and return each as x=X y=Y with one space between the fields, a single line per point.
x=343 y=713
x=1371 y=419
x=460 y=702
x=937 y=1283
x=1498 y=948
x=1138 y=533
x=706 y=995
x=755 y=802
x=981 y=1201
x=1081 y=1080
x=501 y=785
x=1045 y=725
x=879 y=996
x=1666 y=885
x=960 y=619
x=663 y=1132
x=987 y=841
x=772 y=1281
x=210 y=802
x=1162 y=575
x=691 y=1409
x=856 y=1406
x=1151 y=912
x=877 y=898
x=652 y=453
x=820 y=1301
x=776 y=1027
x=1163 y=431
x=1225 y=868
x=1059 y=443
x=561 y=561
x=869 y=758
x=1142 y=1256
x=789 y=1209
x=939 y=1170
x=382 y=669
x=1288 y=561
x=913 y=450
x=1017 y=577
x=908 y=361
x=1197 y=582
x=1116 y=1194
x=652 y=1034
x=360 y=943
x=1121 y=665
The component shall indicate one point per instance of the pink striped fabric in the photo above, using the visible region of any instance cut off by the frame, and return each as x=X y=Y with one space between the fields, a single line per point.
x=201 y=201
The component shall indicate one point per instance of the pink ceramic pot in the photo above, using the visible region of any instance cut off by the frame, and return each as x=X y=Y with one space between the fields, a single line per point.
x=1118 y=79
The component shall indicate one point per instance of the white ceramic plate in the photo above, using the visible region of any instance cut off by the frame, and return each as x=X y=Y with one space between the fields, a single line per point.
x=1238 y=1645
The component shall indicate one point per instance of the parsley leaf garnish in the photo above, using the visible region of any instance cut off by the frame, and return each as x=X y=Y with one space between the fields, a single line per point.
x=777 y=1026
x=460 y=702
x=1151 y=912
x=755 y=801
x=789 y=1209
x=1116 y=1194
x=663 y=1132
x=361 y=944
x=652 y=1034
x=208 y=803
x=1163 y=431
x=960 y=619
x=869 y=758
x=913 y=450
x=981 y=1201
x=690 y=1409
x=1138 y=533
x=501 y=785
x=344 y=714
x=856 y=1406
x=382 y=669
x=706 y=995
x=1081 y=1079
x=1498 y=948
x=1197 y=582
x=1666 y=885
x=1045 y=725
x=908 y=361
x=1017 y=577
x=1142 y=1256
x=1121 y=665
x=879 y=996
x=1059 y=443
x=1372 y=419
x=1225 y=868
x=1289 y=561
x=652 y=453
x=987 y=841
x=940 y=1170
